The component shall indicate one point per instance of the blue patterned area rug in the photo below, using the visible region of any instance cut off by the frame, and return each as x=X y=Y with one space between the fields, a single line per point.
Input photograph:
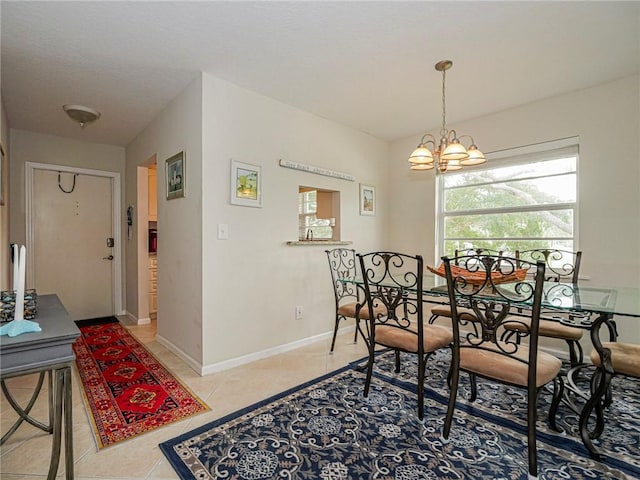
x=326 y=429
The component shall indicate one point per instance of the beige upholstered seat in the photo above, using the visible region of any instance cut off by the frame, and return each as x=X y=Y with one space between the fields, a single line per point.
x=485 y=351
x=445 y=311
x=393 y=281
x=625 y=358
x=509 y=369
x=434 y=337
x=352 y=309
x=548 y=328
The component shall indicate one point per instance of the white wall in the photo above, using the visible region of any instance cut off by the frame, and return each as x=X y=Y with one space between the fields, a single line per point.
x=34 y=147
x=5 y=261
x=177 y=128
x=252 y=282
x=607 y=121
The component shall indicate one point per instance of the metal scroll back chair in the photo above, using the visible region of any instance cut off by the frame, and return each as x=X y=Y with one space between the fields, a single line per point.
x=483 y=352
x=393 y=290
x=342 y=264
x=445 y=310
x=560 y=266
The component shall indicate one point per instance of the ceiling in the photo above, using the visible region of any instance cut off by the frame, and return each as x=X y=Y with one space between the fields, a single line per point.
x=367 y=65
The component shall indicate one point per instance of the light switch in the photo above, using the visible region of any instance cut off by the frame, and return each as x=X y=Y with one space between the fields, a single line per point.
x=223 y=231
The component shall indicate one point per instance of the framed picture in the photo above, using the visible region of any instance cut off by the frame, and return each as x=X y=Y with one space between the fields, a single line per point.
x=175 y=174
x=246 y=184
x=367 y=200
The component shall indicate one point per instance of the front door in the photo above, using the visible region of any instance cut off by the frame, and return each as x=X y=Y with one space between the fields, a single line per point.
x=72 y=222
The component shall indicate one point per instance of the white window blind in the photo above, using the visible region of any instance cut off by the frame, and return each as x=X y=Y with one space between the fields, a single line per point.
x=516 y=201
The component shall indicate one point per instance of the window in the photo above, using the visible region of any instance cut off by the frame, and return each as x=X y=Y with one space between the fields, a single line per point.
x=317 y=212
x=517 y=202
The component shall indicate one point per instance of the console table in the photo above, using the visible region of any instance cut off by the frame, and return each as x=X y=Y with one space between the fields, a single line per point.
x=47 y=352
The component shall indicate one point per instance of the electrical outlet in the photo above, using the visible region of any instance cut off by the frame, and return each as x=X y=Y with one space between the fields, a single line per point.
x=299 y=312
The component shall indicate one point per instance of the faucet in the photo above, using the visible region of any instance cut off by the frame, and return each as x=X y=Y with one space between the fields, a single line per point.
x=309 y=234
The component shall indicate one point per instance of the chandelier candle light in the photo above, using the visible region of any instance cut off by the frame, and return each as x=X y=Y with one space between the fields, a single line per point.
x=450 y=154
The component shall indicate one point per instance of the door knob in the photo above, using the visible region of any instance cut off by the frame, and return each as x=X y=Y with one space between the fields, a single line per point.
x=110 y=257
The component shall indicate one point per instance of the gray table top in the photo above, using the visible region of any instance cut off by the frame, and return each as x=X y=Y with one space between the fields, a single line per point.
x=49 y=347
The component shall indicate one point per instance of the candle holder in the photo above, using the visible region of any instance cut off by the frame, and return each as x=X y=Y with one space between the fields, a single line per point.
x=19 y=324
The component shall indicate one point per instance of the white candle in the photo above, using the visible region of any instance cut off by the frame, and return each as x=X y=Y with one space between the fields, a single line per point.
x=15 y=266
x=19 y=311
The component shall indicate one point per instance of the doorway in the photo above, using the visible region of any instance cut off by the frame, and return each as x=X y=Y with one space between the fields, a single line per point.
x=152 y=218
x=147 y=221
x=73 y=237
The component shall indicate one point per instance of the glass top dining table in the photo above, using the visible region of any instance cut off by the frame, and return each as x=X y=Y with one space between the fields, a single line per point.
x=568 y=297
x=624 y=301
x=601 y=303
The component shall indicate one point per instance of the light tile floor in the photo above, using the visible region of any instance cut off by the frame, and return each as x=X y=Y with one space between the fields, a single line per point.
x=25 y=456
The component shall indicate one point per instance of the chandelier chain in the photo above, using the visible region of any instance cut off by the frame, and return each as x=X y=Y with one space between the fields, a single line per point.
x=443 y=132
x=448 y=154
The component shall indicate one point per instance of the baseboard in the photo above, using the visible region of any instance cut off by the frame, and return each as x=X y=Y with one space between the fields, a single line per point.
x=269 y=352
x=252 y=357
x=188 y=359
x=136 y=320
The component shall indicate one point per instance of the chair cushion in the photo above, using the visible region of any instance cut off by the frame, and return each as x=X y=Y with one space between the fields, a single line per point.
x=435 y=337
x=548 y=328
x=349 y=310
x=625 y=357
x=445 y=311
x=506 y=368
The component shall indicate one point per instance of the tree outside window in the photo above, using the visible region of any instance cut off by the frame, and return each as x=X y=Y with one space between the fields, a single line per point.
x=518 y=203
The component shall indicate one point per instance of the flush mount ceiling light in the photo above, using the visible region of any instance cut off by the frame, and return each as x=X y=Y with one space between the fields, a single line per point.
x=450 y=154
x=81 y=114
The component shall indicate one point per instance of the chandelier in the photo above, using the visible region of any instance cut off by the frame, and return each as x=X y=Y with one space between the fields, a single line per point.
x=450 y=154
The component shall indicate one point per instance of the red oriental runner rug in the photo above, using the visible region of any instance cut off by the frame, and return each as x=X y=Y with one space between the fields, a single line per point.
x=126 y=389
